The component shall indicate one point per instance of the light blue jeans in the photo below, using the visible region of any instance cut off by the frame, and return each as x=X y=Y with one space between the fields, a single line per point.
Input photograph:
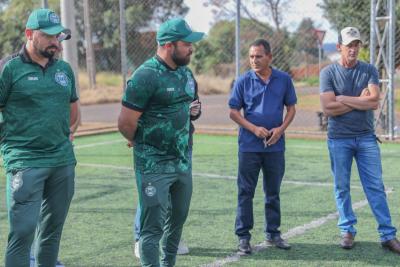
x=365 y=151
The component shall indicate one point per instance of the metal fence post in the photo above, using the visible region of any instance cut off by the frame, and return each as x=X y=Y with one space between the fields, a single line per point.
x=70 y=50
x=122 y=27
x=391 y=70
x=237 y=39
x=372 y=37
x=45 y=4
x=90 y=65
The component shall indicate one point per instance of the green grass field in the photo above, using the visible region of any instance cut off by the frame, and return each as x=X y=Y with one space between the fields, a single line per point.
x=98 y=230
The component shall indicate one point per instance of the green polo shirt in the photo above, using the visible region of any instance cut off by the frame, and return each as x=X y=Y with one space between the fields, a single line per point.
x=35 y=103
x=163 y=95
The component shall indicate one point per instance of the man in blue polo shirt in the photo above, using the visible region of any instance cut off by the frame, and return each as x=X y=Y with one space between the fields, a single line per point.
x=262 y=93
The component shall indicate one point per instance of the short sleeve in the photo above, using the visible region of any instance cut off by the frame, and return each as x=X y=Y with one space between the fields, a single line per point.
x=290 y=95
x=5 y=83
x=74 y=95
x=374 y=76
x=236 y=98
x=139 y=89
x=325 y=81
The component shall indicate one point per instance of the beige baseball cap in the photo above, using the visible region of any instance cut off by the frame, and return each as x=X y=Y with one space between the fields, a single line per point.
x=348 y=35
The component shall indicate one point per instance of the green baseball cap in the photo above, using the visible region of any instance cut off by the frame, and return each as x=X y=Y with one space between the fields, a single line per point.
x=45 y=20
x=177 y=30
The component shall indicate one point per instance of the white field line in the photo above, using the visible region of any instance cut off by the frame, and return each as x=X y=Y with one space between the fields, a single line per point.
x=293 y=232
x=288 y=146
x=105 y=166
x=99 y=144
x=384 y=152
x=210 y=175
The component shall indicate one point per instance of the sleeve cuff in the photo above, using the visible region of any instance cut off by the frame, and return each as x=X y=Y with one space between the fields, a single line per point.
x=131 y=106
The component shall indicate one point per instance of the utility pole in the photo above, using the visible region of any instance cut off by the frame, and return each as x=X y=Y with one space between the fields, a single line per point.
x=70 y=50
x=319 y=34
x=122 y=28
x=90 y=62
x=382 y=55
x=45 y=4
x=237 y=39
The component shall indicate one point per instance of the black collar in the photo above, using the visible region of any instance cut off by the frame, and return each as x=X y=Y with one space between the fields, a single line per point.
x=164 y=63
x=26 y=58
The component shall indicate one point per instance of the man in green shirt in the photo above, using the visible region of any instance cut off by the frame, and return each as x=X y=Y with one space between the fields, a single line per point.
x=39 y=104
x=155 y=118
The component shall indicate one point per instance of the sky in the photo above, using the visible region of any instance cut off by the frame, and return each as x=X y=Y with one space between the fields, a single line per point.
x=201 y=18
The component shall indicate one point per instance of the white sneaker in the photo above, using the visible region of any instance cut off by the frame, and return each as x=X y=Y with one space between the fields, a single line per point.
x=136 y=250
x=182 y=248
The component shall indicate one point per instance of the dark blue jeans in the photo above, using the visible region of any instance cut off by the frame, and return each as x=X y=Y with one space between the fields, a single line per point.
x=272 y=165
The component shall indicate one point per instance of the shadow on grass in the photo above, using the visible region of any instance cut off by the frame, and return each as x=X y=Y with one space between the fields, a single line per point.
x=97 y=195
x=210 y=252
x=103 y=210
x=101 y=250
x=370 y=253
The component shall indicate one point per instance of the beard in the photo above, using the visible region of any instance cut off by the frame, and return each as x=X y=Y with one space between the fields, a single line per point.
x=47 y=52
x=180 y=60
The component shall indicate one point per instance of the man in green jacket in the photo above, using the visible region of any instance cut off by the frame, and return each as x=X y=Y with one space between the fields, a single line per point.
x=155 y=119
x=39 y=104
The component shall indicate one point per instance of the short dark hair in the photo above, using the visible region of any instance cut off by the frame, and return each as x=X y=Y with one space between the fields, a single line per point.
x=264 y=43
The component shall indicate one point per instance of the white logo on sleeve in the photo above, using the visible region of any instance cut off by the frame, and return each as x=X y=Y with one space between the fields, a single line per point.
x=33 y=78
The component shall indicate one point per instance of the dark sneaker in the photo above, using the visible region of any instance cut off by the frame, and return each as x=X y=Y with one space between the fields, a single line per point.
x=244 y=247
x=347 y=241
x=393 y=245
x=278 y=242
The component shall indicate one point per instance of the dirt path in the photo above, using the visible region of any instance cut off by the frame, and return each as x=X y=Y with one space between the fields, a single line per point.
x=215 y=114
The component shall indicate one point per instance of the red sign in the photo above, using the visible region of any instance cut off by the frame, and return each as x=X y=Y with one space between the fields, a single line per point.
x=320 y=34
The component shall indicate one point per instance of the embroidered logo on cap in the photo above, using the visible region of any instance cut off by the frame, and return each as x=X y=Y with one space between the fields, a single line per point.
x=54 y=18
x=352 y=32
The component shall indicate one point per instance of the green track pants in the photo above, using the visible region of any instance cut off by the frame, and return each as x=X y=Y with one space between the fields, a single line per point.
x=38 y=200
x=165 y=200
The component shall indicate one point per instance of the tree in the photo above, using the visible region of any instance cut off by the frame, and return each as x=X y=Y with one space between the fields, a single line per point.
x=216 y=53
x=141 y=18
x=255 y=12
x=341 y=14
x=306 y=41
x=13 y=16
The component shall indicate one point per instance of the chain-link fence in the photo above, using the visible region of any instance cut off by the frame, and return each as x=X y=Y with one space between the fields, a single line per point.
x=295 y=29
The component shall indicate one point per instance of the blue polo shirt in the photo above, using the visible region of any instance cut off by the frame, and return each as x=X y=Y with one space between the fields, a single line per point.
x=263 y=105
